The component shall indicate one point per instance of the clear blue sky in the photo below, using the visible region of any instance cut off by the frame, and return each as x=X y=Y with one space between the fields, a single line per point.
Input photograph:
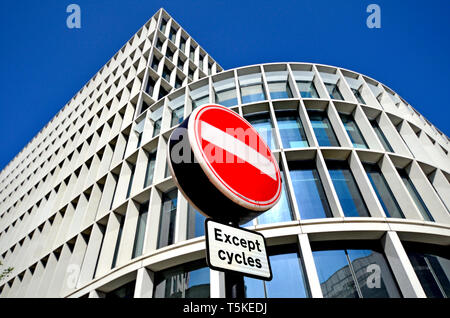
x=43 y=63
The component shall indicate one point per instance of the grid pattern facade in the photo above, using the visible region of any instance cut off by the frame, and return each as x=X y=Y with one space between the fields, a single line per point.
x=89 y=209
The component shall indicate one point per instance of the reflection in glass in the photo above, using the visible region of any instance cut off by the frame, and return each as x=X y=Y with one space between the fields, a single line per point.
x=150 y=169
x=251 y=88
x=130 y=183
x=353 y=131
x=291 y=129
x=322 y=129
x=226 y=92
x=307 y=89
x=185 y=281
x=125 y=291
x=289 y=279
x=383 y=191
x=195 y=223
x=167 y=220
x=415 y=195
x=140 y=230
x=309 y=193
x=354 y=273
x=281 y=212
x=334 y=91
x=381 y=136
x=433 y=272
x=358 y=96
x=263 y=125
x=346 y=189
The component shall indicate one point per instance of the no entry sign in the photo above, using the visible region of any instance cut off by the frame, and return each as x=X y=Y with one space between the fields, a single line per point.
x=223 y=166
x=239 y=250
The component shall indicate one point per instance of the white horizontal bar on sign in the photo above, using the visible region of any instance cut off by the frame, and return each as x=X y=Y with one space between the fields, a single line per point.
x=238 y=148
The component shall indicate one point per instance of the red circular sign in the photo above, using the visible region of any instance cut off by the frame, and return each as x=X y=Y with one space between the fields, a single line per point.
x=234 y=157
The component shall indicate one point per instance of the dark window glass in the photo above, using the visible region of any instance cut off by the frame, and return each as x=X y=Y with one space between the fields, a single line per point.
x=309 y=193
x=150 y=86
x=381 y=136
x=163 y=25
x=195 y=223
x=130 y=183
x=291 y=129
x=162 y=92
x=263 y=125
x=307 y=89
x=358 y=96
x=334 y=91
x=150 y=169
x=346 y=189
x=354 y=273
x=169 y=54
x=383 y=191
x=353 y=131
x=281 y=212
x=159 y=44
x=119 y=238
x=167 y=220
x=172 y=34
x=166 y=73
x=182 y=44
x=157 y=127
x=322 y=129
x=140 y=230
x=178 y=82
x=125 y=291
x=289 y=279
x=415 y=196
x=432 y=268
x=185 y=281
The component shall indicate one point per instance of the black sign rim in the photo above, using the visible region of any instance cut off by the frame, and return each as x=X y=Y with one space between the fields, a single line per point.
x=208 y=261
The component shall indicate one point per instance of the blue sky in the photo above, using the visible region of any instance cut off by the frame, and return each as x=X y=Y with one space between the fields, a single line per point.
x=43 y=63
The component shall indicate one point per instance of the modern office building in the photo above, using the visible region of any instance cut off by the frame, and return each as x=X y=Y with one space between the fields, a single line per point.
x=88 y=208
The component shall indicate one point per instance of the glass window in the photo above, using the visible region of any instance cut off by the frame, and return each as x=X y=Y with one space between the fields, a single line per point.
x=433 y=271
x=178 y=82
x=130 y=183
x=281 y=212
x=200 y=96
x=159 y=44
x=195 y=223
x=289 y=279
x=169 y=54
x=163 y=25
x=125 y=291
x=309 y=193
x=182 y=44
x=381 y=136
x=172 y=34
x=140 y=230
x=150 y=86
x=185 y=281
x=291 y=129
x=355 y=273
x=251 y=88
x=334 y=91
x=263 y=125
x=322 y=129
x=166 y=73
x=177 y=116
x=226 y=92
x=358 y=96
x=119 y=238
x=167 y=220
x=192 y=53
x=162 y=92
x=415 y=195
x=157 y=127
x=346 y=189
x=139 y=128
x=353 y=131
x=278 y=85
x=383 y=191
x=150 y=168
x=307 y=89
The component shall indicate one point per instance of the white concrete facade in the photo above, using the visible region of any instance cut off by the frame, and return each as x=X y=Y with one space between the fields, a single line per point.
x=71 y=200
